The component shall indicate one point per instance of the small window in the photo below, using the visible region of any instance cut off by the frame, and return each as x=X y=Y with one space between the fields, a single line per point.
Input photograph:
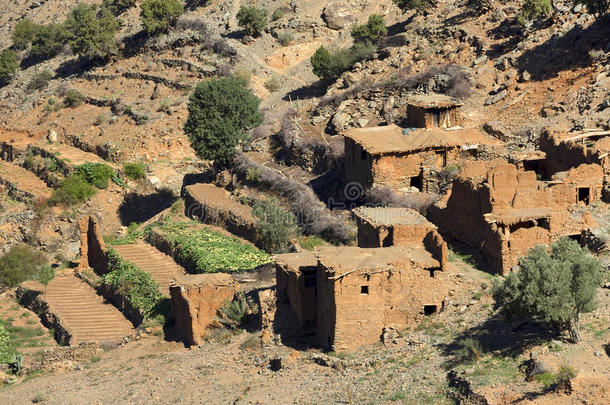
x=584 y=195
x=429 y=309
x=363 y=154
x=364 y=289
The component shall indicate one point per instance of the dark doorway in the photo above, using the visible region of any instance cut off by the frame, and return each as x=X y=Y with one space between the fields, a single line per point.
x=429 y=309
x=584 y=195
x=416 y=182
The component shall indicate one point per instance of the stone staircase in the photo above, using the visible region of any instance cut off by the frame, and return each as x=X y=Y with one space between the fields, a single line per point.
x=83 y=313
x=160 y=266
x=22 y=184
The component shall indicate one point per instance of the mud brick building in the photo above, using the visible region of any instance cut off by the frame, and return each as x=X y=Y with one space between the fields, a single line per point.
x=385 y=227
x=505 y=211
x=398 y=158
x=433 y=111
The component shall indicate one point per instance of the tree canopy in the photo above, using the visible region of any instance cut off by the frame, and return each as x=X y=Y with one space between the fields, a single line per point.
x=418 y=5
x=253 y=20
x=92 y=30
x=555 y=288
x=8 y=65
x=372 y=32
x=159 y=15
x=220 y=113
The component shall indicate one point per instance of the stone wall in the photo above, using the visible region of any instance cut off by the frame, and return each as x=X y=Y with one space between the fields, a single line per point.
x=195 y=301
x=92 y=246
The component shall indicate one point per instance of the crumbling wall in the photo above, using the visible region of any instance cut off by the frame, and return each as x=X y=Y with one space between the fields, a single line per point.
x=294 y=289
x=564 y=155
x=92 y=246
x=358 y=164
x=434 y=243
x=421 y=117
x=195 y=301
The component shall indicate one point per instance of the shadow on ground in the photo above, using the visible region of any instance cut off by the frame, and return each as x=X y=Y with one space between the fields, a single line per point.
x=140 y=208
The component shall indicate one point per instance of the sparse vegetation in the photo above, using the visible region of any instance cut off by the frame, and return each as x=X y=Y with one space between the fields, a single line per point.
x=233 y=313
x=253 y=20
x=134 y=171
x=159 y=15
x=555 y=288
x=8 y=65
x=126 y=279
x=40 y=80
x=276 y=226
x=533 y=9
x=311 y=242
x=221 y=111
x=20 y=263
x=285 y=38
x=277 y=14
x=599 y=8
x=273 y=84
x=73 y=98
x=418 y=5
x=117 y=7
x=71 y=191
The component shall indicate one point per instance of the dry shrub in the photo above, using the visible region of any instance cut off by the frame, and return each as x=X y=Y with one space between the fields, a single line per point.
x=313 y=216
x=386 y=197
x=457 y=86
x=262 y=131
x=192 y=24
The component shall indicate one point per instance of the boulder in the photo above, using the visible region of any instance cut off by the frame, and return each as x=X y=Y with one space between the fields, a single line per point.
x=340 y=121
x=195 y=301
x=338 y=15
x=52 y=136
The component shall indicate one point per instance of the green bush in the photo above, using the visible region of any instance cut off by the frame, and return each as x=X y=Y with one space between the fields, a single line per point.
x=278 y=14
x=253 y=20
x=329 y=66
x=273 y=84
x=134 y=171
x=534 y=9
x=8 y=65
x=71 y=191
x=45 y=274
x=20 y=263
x=418 y=5
x=49 y=40
x=158 y=15
x=40 y=80
x=311 y=242
x=24 y=33
x=97 y=174
x=118 y=6
x=73 y=98
x=555 y=288
x=285 y=38
x=221 y=111
x=233 y=313
x=206 y=251
x=275 y=225
x=374 y=31
x=138 y=286
x=92 y=31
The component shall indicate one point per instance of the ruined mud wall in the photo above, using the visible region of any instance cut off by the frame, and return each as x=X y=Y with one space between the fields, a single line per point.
x=434 y=243
x=92 y=246
x=420 y=117
x=292 y=289
x=195 y=301
x=358 y=169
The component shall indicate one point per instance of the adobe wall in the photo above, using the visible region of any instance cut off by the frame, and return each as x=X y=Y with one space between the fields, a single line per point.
x=562 y=156
x=195 y=301
x=357 y=169
x=434 y=243
x=292 y=287
x=92 y=246
x=394 y=299
x=213 y=205
x=420 y=117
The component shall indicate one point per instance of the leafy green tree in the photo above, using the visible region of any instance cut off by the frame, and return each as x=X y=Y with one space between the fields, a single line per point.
x=418 y=5
x=49 y=40
x=276 y=226
x=8 y=65
x=24 y=33
x=158 y=15
x=20 y=263
x=45 y=274
x=92 y=30
x=117 y=7
x=73 y=98
x=221 y=111
x=555 y=288
x=599 y=8
x=534 y=9
x=253 y=20
x=372 y=32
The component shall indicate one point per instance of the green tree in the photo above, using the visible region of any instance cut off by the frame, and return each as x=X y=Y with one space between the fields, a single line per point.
x=24 y=33
x=117 y=7
x=328 y=66
x=20 y=263
x=49 y=40
x=253 y=20
x=372 y=32
x=92 y=30
x=599 y=8
x=533 y=9
x=418 y=5
x=8 y=65
x=555 y=288
x=158 y=15
x=221 y=111
x=275 y=225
